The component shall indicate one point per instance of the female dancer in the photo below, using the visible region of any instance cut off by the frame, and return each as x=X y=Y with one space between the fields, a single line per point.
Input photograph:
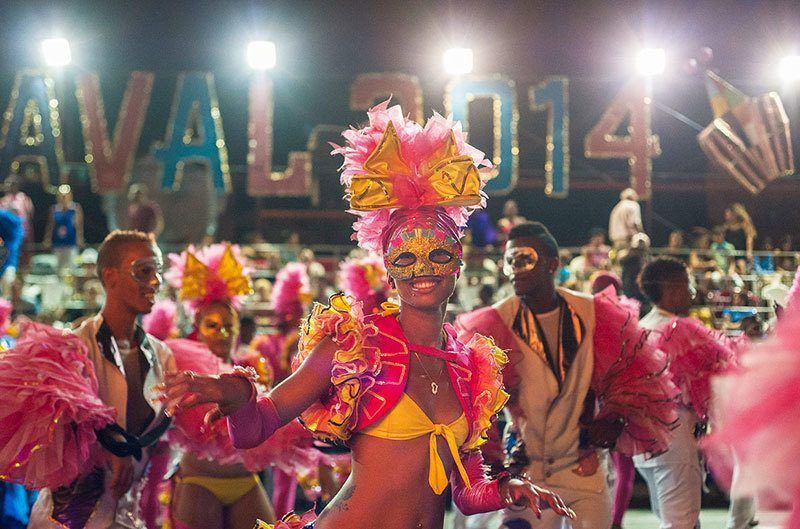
x=216 y=485
x=412 y=401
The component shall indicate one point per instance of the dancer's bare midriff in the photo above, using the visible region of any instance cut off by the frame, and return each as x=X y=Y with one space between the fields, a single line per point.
x=388 y=487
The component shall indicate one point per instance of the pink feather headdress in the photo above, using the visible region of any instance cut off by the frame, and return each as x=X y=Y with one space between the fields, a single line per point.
x=216 y=272
x=292 y=291
x=395 y=163
x=365 y=279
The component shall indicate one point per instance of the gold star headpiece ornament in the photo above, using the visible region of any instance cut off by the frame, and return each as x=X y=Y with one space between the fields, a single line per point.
x=444 y=178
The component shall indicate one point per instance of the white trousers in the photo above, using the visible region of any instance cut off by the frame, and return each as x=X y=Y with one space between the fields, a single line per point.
x=675 y=488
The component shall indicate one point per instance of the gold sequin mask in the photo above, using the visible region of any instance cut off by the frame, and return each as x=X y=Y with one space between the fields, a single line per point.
x=213 y=325
x=418 y=252
x=519 y=259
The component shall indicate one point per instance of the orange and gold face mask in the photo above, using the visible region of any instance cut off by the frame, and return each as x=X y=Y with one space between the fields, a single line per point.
x=418 y=252
x=213 y=325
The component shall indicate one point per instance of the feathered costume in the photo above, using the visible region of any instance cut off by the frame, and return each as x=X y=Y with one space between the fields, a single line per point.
x=695 y=354
x=50 y=409
x=756 y=410
x=413 y=189
x=216 y=273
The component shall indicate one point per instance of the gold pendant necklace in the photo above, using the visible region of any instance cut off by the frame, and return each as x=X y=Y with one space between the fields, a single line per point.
x=434 y=383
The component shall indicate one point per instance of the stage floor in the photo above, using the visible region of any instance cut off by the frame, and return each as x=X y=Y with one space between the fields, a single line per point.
x=644 y=519
x=709 y=519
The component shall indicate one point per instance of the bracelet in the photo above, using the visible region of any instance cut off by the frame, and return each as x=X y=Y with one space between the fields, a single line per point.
x=505 y=495
x=249 y=375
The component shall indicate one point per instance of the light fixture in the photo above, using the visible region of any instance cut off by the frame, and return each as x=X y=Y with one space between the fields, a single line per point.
x=651 y=61
x=789 y=68
x=261 y=55
x=56 y=52
x=458 y=61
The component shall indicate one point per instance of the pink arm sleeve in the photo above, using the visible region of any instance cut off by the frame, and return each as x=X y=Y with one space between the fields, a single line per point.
x=253 y=423
x=482 y=494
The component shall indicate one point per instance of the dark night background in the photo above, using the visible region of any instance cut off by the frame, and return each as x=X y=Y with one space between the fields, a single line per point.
x=323 y=46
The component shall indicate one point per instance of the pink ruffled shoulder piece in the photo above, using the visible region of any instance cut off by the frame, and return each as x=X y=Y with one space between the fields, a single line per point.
x=354 y=369
x=696 y=354
x=290 y=448
x=49 y=409
x=488 y=396
x=161 y=322
x=756 y=411
x=631 y=379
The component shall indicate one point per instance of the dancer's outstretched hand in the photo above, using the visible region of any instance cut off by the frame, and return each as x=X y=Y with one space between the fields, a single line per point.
x=185 y=390
x=524 y=493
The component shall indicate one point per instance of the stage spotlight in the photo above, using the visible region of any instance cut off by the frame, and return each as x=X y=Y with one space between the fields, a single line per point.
x=789 y=68
x=261 y=55
x=458 y=61
x=651 y=61
x=56 y=52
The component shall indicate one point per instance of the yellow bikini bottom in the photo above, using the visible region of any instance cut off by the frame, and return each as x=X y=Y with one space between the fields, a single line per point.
x=227 y=490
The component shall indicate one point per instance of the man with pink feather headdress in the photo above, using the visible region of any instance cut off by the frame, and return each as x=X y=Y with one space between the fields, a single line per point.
x=84 y=432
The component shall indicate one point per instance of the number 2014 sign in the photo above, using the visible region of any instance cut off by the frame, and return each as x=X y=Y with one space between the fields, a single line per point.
x=31 y=130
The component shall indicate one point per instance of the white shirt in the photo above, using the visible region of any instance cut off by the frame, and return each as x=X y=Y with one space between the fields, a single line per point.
x=683 y=446
x=625 y=220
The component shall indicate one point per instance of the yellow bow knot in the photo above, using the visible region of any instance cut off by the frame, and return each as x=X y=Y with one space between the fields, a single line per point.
x=452 y=178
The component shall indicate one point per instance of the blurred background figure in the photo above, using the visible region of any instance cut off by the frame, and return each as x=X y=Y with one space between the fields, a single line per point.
x=64 y=233
x=144 y=214
x=11 y=235
x=18 y=202
x=596 y=251
x=632 y=260
x=625 y=220
x=510 y=218
x=741 y=233
x=676 y=246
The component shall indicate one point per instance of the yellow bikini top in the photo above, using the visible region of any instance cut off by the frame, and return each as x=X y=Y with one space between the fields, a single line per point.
x=407 y=421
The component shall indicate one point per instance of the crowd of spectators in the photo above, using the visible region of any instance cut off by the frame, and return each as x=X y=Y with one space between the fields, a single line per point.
x=729 y=275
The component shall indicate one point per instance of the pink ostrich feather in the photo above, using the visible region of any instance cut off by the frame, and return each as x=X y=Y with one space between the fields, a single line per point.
x=418 y=145
x=216 y=286
x=365 y=279
x=161 y=322
x=696 y=354
x=756 y=407
x=292 y=286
